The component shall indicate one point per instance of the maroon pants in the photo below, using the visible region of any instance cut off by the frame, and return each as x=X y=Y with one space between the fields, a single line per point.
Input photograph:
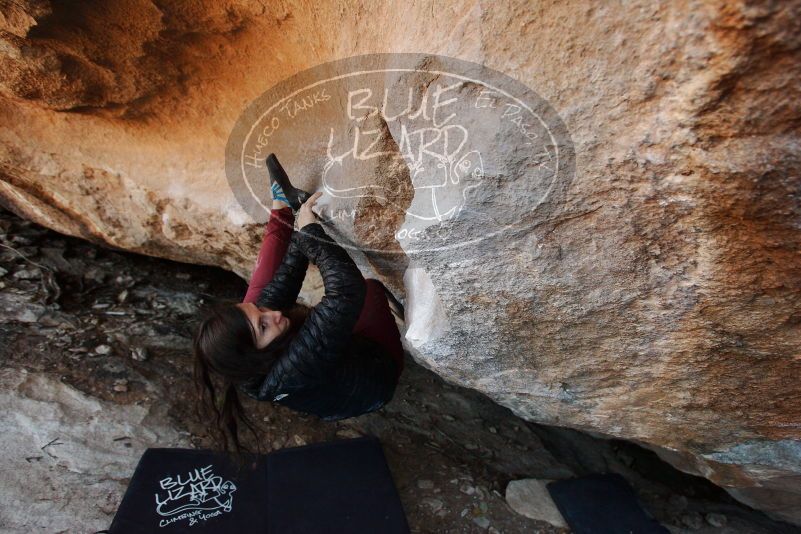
x=375 y=321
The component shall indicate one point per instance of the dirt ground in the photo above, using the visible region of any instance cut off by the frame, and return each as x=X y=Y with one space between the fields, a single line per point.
x=118 y=327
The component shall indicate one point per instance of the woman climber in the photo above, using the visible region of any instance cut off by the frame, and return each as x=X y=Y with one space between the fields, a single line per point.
x=339 y=359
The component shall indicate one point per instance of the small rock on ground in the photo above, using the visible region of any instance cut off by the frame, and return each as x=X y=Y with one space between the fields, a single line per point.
x=530 y=497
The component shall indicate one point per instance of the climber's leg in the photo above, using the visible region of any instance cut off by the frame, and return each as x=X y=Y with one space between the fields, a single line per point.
x=277 y=234
x=377 y=323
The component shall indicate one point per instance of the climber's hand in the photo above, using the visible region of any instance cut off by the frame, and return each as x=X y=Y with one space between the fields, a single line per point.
x=305 y=213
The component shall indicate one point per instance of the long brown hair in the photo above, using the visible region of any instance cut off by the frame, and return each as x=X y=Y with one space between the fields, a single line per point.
x=224 y=352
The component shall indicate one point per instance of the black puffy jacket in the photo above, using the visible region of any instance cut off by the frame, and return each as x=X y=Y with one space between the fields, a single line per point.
x=325 y=370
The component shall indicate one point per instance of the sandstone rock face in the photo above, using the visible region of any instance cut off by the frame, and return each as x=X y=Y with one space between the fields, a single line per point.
x=68 y=455
x=654 y=295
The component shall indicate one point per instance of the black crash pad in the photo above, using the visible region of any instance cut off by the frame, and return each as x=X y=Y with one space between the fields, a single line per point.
x=602 y=504
x=335 y=487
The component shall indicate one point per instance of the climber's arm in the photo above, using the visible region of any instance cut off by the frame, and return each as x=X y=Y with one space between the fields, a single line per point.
x=282 y=291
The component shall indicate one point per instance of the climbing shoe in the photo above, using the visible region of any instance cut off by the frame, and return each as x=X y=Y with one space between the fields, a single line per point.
x=294 y=197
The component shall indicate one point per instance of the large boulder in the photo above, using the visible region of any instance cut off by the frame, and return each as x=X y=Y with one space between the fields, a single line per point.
x=69 y=455
x=653 y=294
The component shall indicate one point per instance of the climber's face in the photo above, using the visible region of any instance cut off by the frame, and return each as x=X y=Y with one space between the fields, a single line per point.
x=267 y=324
